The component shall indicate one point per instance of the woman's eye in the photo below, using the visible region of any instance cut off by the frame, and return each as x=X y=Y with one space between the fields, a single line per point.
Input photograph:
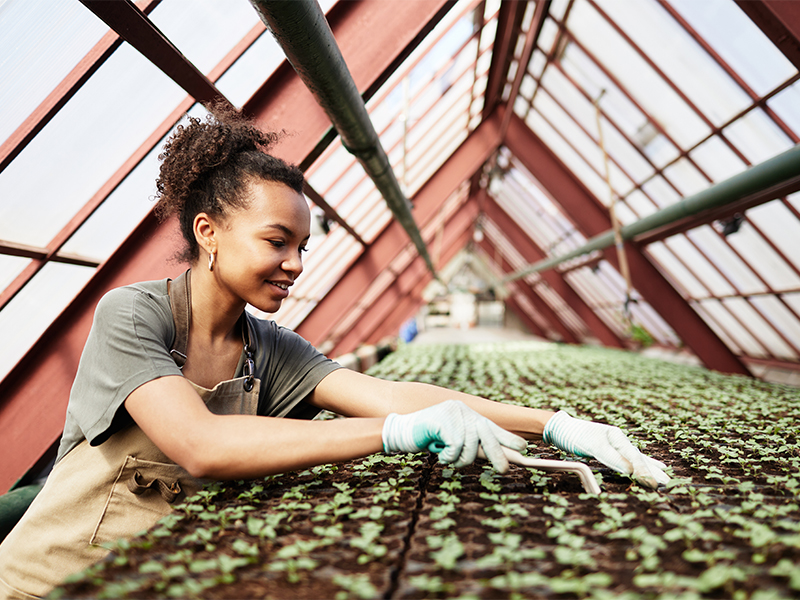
x=303 y=249
x=277 y=243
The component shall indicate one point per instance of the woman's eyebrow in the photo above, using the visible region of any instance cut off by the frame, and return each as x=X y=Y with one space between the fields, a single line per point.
x=280 y=227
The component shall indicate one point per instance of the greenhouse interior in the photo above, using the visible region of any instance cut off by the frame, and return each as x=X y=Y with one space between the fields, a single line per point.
x=572 y=205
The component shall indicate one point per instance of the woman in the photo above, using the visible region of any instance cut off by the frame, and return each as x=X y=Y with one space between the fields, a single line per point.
x=178 y=383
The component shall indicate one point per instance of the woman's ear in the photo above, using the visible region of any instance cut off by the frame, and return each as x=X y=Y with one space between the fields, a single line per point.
x=205 y=232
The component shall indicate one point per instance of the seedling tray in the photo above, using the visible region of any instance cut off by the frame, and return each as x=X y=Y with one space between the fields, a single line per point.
x=727 y=526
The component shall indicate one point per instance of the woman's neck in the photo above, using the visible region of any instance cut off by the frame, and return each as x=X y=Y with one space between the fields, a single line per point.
x=214 y=314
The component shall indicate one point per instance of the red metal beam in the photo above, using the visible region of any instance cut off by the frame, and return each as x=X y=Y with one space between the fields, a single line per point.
x=515 y=307
x=509 y=21
x=531 y=252
x=541 y=306
x=465 y=161
x=780 y=22
x=410 y=282
x=33 y=397
x=591 y=218
x=135 y=28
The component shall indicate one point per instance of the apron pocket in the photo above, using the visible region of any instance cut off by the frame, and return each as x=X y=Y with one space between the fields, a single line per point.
x=138 y=498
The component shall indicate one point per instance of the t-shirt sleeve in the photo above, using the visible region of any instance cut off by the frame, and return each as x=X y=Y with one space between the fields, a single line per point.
x=292 y=368
x=127 y=346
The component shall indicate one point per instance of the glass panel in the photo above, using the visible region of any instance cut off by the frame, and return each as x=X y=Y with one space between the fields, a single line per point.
x=697 y=264
x=760 y=329
x=238 y=83
x=794 y=200
x=661 y=192
x=640 y=204
x=635 y=75
x=547 y=36
x=781 y=226
x=738 y=41
x=671 y=48
x=727 y=322
x=223 y=25
x=757 y=137
x=583 y=111
x=786 y=106
x=40 y=43
x=89 y=139
x=574 y=162
x=771 y=267
x=779 y=315
x=729 y=264
x=707 y=311
x=586 y=145
x=676 y=270
x=685 y=176
x=717 y=160
x=793 y=300
x=10 y=267
x=32 y=311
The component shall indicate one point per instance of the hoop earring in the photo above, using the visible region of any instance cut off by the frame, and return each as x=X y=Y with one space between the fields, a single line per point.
x=211 y=257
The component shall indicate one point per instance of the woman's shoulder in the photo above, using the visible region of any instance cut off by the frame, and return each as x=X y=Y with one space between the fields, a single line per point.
x=147 y=296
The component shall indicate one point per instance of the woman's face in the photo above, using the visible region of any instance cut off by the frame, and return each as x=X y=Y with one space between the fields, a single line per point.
x=259 y=247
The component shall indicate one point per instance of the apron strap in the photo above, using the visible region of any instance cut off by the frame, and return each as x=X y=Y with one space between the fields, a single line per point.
x=180 y=298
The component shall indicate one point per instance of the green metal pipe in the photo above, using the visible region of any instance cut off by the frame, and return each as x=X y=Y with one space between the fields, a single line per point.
x=307 y=40
x=773 y=176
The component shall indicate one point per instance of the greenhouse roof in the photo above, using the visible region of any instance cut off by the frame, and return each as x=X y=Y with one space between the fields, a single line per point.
x=519 y=131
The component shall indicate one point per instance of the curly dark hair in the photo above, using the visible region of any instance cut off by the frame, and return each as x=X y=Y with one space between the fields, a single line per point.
x=207 y=164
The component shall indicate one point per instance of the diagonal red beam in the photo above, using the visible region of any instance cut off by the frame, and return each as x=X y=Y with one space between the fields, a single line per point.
x=410 y=282
x=591 y=218
x=465 y=161
x=65 y=90
x=492 y=254
x=516 y=308
x=532 y=253
x=33 y=397
x=541 y=306
x=509 y=22
x=779 y=21
x=135 y=28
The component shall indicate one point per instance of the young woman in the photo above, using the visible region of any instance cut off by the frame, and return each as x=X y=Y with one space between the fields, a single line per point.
x=178 y=383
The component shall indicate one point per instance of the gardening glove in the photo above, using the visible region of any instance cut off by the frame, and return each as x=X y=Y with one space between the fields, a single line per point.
x=454 y=431
x=605 y=443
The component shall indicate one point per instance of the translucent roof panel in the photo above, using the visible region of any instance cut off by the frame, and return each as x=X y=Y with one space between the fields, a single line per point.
x=40 y=43
x=607 y=71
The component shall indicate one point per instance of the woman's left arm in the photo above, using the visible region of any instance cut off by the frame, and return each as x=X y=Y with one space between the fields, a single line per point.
x=354 y=394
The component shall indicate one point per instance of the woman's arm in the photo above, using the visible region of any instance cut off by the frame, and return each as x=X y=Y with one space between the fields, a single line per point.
x=357 y=395
x=242 y=446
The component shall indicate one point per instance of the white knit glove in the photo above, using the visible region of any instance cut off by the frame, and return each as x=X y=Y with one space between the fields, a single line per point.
x=605 y=443
x=454 y=431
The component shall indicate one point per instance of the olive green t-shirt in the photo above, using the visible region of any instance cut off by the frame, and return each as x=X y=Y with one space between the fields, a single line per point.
x=129 y=343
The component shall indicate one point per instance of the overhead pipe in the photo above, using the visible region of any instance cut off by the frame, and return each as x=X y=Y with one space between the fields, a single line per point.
x=770 y=179
x=307 y=40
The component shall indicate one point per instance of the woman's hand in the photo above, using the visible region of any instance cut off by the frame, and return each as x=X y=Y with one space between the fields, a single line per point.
x=453 y=430
x=605 y=443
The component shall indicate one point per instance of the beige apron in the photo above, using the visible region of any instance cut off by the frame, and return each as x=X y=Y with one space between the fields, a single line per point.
x=96 y=495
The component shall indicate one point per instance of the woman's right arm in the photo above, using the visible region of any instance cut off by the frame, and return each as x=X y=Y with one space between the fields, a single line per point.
x=207 y=445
